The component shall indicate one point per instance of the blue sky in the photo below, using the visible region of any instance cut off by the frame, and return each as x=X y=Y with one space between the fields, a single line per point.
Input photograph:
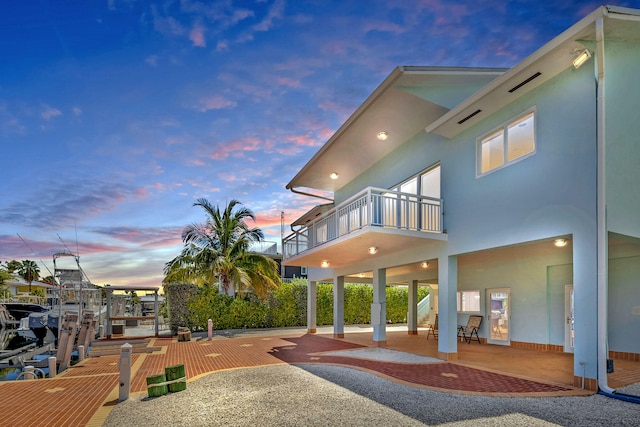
x=115 y=116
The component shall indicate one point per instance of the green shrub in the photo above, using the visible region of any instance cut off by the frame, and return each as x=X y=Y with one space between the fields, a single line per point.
x=283 y=307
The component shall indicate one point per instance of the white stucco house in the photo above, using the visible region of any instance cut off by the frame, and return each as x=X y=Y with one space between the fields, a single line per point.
x=514 y=193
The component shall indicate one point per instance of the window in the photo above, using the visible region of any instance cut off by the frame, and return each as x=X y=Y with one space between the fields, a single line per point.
x=468 y=301
x=514 y=141
x=303 y=271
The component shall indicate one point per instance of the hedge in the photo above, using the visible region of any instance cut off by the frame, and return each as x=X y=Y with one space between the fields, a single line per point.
x=283 y=307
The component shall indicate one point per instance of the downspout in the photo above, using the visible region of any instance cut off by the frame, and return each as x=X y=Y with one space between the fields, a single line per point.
x=601 y=207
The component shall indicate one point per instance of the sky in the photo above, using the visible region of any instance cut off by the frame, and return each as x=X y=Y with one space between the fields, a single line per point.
x=117 y=115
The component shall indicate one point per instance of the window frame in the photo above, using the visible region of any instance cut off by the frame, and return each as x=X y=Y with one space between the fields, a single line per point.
x=459 y=307
x=505 y=142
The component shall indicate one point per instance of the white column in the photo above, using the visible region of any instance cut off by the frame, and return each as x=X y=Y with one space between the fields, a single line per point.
x=412 y=312
x=338 y=307
x=312 y=303
x=448 y=314
x=379 y=307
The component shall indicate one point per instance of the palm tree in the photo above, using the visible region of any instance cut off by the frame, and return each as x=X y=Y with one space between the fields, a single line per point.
x=29 y=271
x=217 y=250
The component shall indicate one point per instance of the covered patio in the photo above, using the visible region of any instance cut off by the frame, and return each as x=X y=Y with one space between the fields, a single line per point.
x=545 y=366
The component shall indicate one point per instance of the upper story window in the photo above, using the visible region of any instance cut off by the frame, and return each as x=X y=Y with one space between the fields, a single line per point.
x=508 y=144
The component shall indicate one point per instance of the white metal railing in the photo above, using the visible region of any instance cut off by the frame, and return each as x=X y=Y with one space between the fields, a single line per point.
x=371 y=207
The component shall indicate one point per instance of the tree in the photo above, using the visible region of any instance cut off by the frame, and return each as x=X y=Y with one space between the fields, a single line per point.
x=5 y=276
x=217 y=251
x=29 y=271
x=13 y=266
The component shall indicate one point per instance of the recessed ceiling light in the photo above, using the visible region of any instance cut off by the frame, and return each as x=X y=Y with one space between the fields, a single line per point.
x=373 y=250
x=560 y=242
x=383 y=135
x=324 y=264
x=424 y=264
x=361 y=275
x=334 y=175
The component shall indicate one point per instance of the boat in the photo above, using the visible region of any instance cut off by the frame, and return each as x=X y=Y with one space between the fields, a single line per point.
x=20 y=310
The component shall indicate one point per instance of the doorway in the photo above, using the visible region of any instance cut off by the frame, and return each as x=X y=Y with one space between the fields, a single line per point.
x=499 y=316
x=569 y=333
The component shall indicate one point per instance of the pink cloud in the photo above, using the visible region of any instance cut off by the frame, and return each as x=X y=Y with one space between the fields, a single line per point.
x=236 y=147
x=287 y=81
x=197 y=36
x=216 y=102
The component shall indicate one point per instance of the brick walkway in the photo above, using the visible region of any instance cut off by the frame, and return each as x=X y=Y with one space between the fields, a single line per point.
x=85 y=393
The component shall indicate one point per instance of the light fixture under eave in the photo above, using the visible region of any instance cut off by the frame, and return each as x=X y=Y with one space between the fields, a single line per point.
x=424 y=264
x=324 y=264
x=361 y=275
x=373 y=250
x=383 y=135
x=560 y=242
x=582 y=58
x=334 y=175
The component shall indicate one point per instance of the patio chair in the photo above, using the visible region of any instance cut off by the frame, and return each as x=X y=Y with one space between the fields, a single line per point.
x=432 y=329
x=466 y=333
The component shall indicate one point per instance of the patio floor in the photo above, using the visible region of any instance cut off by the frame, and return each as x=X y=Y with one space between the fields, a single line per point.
x=85 y=393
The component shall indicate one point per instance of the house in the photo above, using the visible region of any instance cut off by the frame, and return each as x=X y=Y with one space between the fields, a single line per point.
x=270 y=249
x=512 y=192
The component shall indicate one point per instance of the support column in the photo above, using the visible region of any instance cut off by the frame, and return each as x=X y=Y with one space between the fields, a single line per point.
x=312 y=303
x=379 y=307
x=448 y=314
x=109 y=294
x=338 y=307
x=412 y=313
x=585 y=285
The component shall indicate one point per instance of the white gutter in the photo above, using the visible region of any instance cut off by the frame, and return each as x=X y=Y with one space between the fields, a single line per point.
x=601 y=208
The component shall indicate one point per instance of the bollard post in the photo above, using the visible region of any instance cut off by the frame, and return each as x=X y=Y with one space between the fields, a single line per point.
x=29 y=373
x=81 y=353
x=125 y=371
x=210 y=324
x=52 y=366
x=101 y=331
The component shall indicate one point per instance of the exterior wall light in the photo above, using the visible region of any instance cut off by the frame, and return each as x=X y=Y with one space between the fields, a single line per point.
x=383 y=135
x=334 y=175
x=582 y=58
x=560 y=242
x=324 y=264
x=373 y=250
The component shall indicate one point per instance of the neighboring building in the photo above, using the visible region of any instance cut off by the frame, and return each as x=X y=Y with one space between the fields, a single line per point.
x=19 y=288
x=270 y=249
x=519 y=188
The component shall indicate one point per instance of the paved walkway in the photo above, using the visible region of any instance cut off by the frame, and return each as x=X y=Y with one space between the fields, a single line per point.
x=85 y=393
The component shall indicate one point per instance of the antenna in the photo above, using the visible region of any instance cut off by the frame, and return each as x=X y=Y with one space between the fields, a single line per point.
x=33 y=252
x=65 y=245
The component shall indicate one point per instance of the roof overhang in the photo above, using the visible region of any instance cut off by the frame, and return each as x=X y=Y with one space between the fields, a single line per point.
x=544 y=64
x=394 y=108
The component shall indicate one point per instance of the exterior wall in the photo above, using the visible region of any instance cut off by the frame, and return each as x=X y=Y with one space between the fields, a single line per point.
x=534 y=302
x=622 y=92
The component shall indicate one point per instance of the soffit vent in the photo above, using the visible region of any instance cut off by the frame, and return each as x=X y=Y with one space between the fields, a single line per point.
x=469 y=116
x=519 y=85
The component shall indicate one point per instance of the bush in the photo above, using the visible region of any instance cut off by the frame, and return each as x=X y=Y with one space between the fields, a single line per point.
x=283 y=307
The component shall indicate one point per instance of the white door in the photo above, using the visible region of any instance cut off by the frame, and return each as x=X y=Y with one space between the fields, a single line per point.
x=499 y=315
x=568 y=316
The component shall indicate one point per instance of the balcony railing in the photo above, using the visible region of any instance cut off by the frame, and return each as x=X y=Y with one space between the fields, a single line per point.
x=371 y=207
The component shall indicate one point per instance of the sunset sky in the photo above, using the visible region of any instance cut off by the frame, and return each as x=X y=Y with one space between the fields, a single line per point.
x=115 y=116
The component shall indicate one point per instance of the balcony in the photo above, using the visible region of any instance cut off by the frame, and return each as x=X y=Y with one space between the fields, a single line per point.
x=376 y=217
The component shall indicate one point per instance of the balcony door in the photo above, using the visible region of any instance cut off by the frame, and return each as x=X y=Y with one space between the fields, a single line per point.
x=406 y=210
